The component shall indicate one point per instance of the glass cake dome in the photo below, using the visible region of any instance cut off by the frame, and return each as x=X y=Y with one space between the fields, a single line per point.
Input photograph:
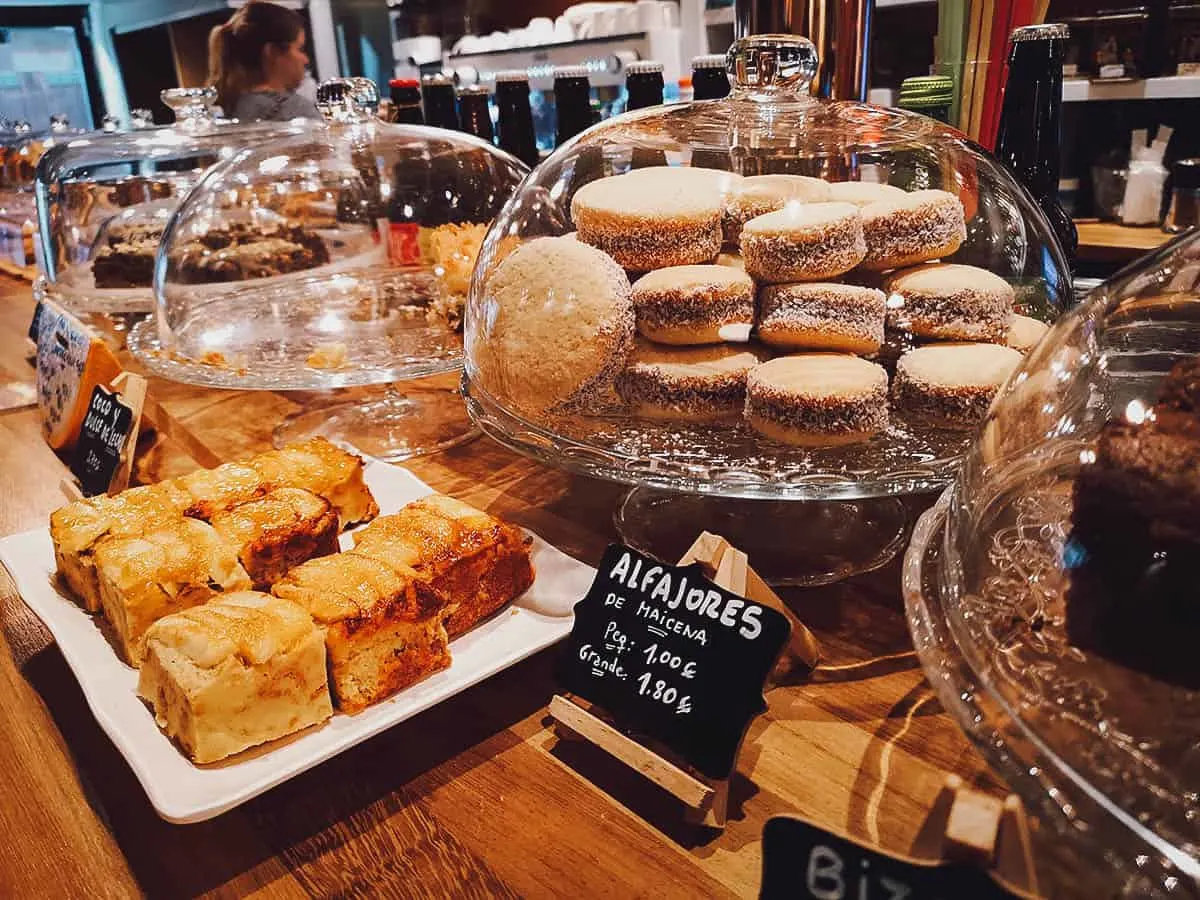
x=612 y=330
x=338 y=255
x=1053 y=593
x=103 y=200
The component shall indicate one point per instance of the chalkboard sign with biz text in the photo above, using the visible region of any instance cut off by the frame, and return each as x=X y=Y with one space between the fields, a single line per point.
x=667 y=653
x=105 y=428
x=804 y=862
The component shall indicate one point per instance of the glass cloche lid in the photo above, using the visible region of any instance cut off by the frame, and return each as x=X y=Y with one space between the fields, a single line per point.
x=335 y=256
x=716 y=296
x=104 y=199
x=1053 y=591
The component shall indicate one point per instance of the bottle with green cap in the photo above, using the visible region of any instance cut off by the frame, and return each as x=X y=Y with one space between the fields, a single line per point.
x=930 y=95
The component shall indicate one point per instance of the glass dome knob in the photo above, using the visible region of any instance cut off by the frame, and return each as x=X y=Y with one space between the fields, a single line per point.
x=348 y=99
x=193 y=107
x=772 y=67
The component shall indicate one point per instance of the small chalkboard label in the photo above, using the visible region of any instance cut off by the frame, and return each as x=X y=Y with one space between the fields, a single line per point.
x=105 y=429
x=804 y=862
x=668 y=654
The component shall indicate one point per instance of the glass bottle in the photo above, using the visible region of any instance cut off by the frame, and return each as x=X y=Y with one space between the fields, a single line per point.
x=710 y=80
x=1031 y=121
x=572 y=102
x=437 y=95
x=406 y=100
x=515 y=116
x=474 y=116
x=643 y=84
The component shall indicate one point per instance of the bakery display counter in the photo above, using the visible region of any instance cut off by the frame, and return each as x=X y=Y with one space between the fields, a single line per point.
x=863 y=747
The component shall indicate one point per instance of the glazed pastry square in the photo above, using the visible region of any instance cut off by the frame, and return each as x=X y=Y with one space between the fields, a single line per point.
x=78 y=528
x=277 y=533
x=382 y=624
x=328 y=471
x=474 y=561
x=166 y=570
x=237 y=672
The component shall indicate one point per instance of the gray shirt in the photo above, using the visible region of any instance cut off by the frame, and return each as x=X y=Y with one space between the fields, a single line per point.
x=273 y=106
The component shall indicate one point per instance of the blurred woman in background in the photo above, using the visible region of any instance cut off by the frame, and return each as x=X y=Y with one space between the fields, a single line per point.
x=256 y=61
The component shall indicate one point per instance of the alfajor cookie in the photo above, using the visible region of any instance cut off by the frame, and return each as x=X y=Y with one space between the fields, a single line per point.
x=1025 y=332
x=556 y=326
x=914 y=228
x=757 y=195
x=821 y=315
x=951 y=385
x=688 y=384
x=803 y=242
x=654 y=217
x=694 y=305
x=950 y=302
x=863 y=193
x=817 y=399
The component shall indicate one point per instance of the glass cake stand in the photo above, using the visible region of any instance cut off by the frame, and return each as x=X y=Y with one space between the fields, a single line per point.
x=334 y=258
x=1069 y=665
x=807 y=516
x=1106 y=758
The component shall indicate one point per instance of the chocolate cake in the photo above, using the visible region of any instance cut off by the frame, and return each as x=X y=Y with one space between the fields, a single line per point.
x=125 y=258
x=239 y=252
x=1135 y=592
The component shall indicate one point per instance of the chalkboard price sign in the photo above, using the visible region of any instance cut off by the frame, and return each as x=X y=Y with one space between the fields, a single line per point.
x=804 y=862
x=105 y=429
x=667 y=653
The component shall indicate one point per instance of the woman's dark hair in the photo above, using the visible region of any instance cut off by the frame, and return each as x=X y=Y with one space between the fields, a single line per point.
x=235 y=49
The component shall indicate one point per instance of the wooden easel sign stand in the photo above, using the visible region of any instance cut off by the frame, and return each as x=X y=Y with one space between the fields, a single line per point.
x=102 y=461
x=677 y=655
x=971 y=846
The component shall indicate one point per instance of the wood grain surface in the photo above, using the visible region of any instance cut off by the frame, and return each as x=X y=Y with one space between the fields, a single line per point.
x=1114 y=242
x=476 y=797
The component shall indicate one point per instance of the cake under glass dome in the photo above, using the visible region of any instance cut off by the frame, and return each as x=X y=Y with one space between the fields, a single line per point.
x=338 y=255
x=1053 y=592
x=535 y=349
x=103 y=200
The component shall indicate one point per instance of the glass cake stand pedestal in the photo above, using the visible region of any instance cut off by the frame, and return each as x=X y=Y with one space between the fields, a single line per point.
x=387 y=423
x=804 y=517
x=399 y=425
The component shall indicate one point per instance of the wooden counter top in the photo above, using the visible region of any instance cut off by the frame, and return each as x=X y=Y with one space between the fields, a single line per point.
x=1114 y=242
x=475 y=797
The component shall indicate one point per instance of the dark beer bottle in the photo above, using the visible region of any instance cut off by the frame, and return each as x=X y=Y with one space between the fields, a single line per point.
x=406 y=100
x=643 y=84
x=644 y=87
x=710 y=82
x=710 y=79
x=572 y=102
x=437 y=95
x=516 y=118
x=1031 y=122
x=474 y=116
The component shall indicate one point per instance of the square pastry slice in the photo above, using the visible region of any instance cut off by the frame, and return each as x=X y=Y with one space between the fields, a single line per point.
x=215 y=490
x=476 y=562
x=275 y=534
x=382 y=624
x=318 y=466
x=78 y=528
x=166 y=570
x=236 y=672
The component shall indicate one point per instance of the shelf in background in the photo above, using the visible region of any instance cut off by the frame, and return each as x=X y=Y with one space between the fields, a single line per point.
x=721 y=16
x=1114 y=242
x=1169 y=87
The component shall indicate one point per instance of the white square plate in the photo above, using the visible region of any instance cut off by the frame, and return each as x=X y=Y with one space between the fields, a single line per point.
x=184 y=792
